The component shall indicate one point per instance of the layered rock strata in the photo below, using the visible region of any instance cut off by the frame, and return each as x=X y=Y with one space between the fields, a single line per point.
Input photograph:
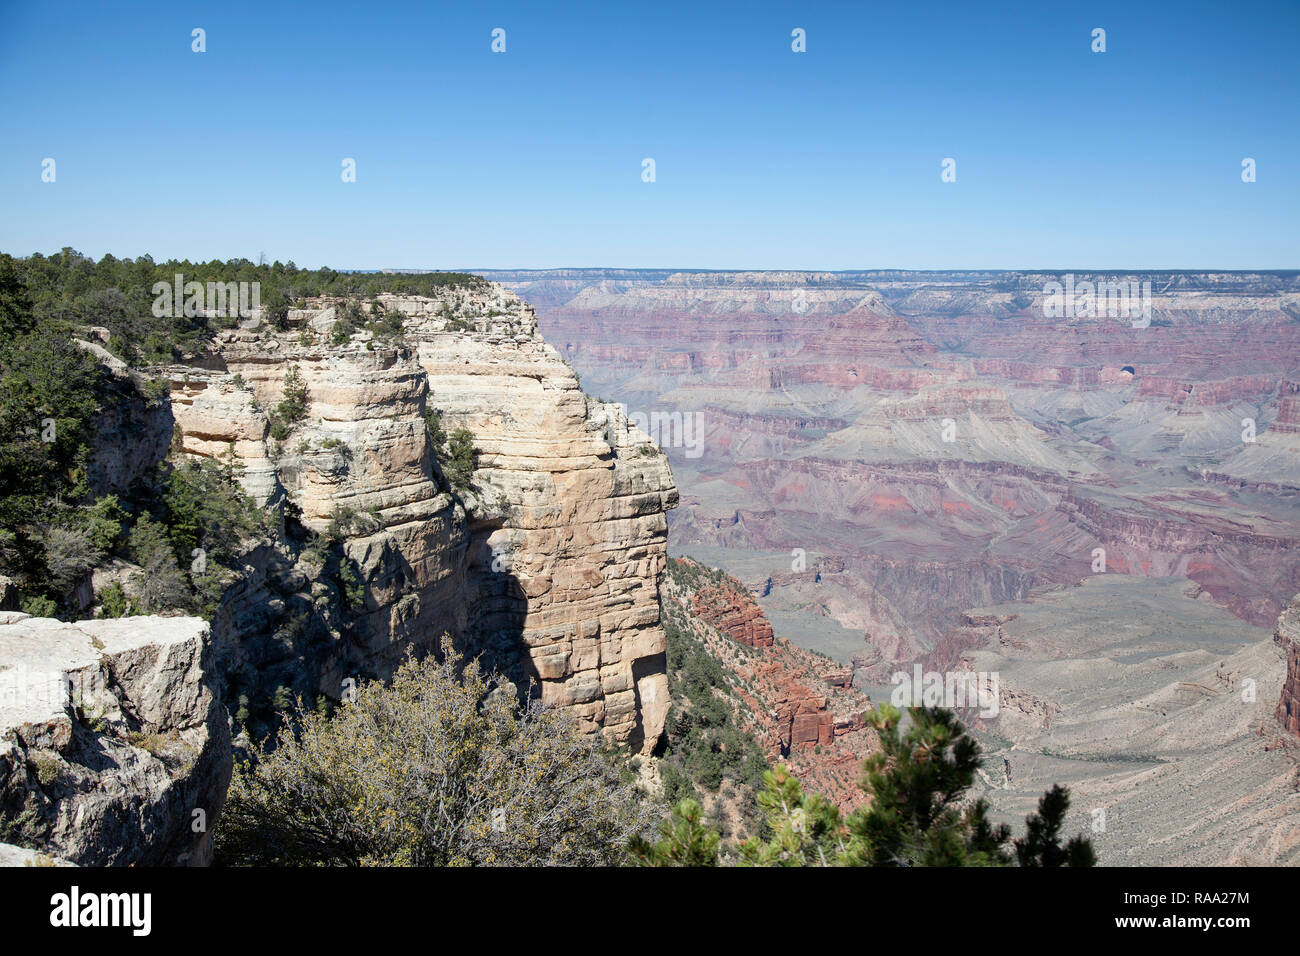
x=798 y=704
x=946 y=441
x=733 y=612
x=546 y=564
x=114 y=745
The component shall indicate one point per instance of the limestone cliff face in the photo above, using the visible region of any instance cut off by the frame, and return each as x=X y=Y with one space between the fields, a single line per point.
x=114 y=746
x=547 y=565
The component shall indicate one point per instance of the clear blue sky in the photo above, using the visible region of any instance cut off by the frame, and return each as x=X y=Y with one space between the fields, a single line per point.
x=765 y=158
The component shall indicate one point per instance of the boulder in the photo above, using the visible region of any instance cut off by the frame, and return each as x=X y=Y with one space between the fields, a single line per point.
x=114 y=747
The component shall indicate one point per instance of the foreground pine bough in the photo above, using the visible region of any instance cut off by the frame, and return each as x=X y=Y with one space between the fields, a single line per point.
x=916 y=816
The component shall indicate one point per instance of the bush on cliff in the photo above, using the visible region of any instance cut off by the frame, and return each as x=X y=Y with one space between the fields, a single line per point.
x=437 y=434
x=436 y=768
x=292 y=409
x=205 y=509
x=117 y=294
x=159 y=586
x=460 y=464
x=387 y=327
x=49 y=392
x=53 y=390
x=917 y=815
x=455 y=453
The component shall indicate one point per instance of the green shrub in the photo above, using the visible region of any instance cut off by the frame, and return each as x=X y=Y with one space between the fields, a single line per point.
x=51 y=390
x=354 y=592
x=205 y=508
x=460 y=458
x=48 y=767
x=159 y=585
x=388 y=327
x=104 y=521
x=431 y=770
x=437 y=434
x=38 y=605
x=293 y=408
x=69 y=554
x=275 y=308
x=918 y=814
x=113 y=601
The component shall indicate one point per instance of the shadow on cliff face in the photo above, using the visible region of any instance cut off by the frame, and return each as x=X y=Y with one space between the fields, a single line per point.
x=497 y=607
x=320 y=609
x=132 y=436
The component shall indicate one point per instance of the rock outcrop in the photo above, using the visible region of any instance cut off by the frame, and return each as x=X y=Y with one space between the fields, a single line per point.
x=546 y=563
x=733 y=612
x=542 y=558
x=114 y=745
x=1287 y=636
x=798 y=705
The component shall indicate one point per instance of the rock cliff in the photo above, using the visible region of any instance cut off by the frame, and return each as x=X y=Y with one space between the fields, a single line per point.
x=546 y=564
x=797 y=704
x=541 y=555
x=1287 y=636
x=114 y=745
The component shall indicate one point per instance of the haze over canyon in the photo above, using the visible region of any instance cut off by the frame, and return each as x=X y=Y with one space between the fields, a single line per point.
x=952 y=470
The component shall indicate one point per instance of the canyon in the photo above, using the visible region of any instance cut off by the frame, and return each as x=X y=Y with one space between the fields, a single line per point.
x=892 y=469
x=798 y=705
x=893 y=460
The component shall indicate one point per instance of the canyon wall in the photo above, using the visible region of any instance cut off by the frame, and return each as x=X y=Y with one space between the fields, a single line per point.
x=797 y=704
x=542 y=559
x=883 y=450
x=546 y=565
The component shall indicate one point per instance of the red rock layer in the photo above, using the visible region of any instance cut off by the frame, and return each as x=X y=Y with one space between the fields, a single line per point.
x=1287 y=636
x=734 y=613
x=800 y=705
x=1288 y=416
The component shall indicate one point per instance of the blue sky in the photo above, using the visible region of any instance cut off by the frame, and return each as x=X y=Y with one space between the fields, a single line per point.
x=765 y=158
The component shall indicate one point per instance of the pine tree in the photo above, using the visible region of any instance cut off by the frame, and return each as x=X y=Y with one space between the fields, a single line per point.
x=460 y=460
x=294 y=406
x=919 y=814
x=685 y=840
x=1041 y=845
x=917 y=783
x=806 y=828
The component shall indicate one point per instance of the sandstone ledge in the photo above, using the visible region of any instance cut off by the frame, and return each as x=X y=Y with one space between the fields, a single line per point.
x=110 y=739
